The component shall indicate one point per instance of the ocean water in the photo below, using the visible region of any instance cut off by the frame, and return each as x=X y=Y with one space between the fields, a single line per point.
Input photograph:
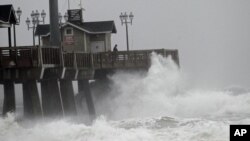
x=152 y=106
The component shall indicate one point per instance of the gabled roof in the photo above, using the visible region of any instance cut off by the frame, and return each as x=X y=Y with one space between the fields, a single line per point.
x=42 y=29
x=7 y=15
x=101 y=26
x=88 y=27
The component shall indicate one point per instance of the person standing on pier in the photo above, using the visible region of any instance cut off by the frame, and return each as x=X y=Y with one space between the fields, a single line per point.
x=115 y=48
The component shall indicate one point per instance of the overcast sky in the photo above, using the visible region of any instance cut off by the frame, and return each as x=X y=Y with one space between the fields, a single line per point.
x=213 y=36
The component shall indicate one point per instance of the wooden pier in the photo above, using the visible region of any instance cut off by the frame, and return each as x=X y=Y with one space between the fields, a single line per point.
x=56 y=69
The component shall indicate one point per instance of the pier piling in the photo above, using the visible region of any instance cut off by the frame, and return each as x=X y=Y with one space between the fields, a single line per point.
x=51 y=99
x=84 y=91
x=31 y=101
x=68 y=100
x=9 y=104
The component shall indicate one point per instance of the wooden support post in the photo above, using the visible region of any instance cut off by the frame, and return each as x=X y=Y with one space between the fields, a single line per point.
x=84 y=91
x=51 y=99
x=68 y=99
x=1 y=58
x=14 y=32
x=31 y=101
x=9 y=104
x=9 y=36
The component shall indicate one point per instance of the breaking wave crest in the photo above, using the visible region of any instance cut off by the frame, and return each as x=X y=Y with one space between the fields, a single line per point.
x=161 y=92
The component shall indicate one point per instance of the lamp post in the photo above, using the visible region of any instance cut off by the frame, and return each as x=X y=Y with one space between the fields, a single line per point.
x=18 y=13
x=35 y=21
x=127 y=19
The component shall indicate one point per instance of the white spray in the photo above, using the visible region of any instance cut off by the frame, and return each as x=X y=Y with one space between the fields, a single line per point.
x=149 y=100
x=160 y=92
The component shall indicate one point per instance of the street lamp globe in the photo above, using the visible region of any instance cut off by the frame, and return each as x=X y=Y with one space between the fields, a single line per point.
x=125 y=16
x=37 y=14
x=33 y=15
x=121 y=17
x=28 y=22
x=19 y=13
x=131 y=16
x=66 y=16
x=43 y=14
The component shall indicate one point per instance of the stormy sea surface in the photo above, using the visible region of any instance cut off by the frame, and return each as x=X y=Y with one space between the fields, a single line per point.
x=151 y=106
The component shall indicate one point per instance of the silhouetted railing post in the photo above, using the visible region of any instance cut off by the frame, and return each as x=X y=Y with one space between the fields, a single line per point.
x=101 y=60
x=61 y=57
x=91 y=61
x=40 y=57
x=75 y=63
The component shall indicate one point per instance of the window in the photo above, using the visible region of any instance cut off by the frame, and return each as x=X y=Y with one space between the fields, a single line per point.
x=68 y=31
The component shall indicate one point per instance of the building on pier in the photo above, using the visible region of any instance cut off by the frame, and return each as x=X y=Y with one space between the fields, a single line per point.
x=84 y=37
x=81 y=36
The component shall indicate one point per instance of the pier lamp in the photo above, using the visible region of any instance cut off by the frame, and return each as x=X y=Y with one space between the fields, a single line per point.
x=43 y=15
x=18 y=13
x=66 y=16
x=60 y=17
x=127 y=19
x=31 y=27
x=35 y=16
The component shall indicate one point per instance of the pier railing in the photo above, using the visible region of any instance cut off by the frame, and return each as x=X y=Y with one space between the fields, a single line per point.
x=25 y=57
x=78 y=60
x=50 y=57
x=121 y=59
x=130 y=59
x=18 y=57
